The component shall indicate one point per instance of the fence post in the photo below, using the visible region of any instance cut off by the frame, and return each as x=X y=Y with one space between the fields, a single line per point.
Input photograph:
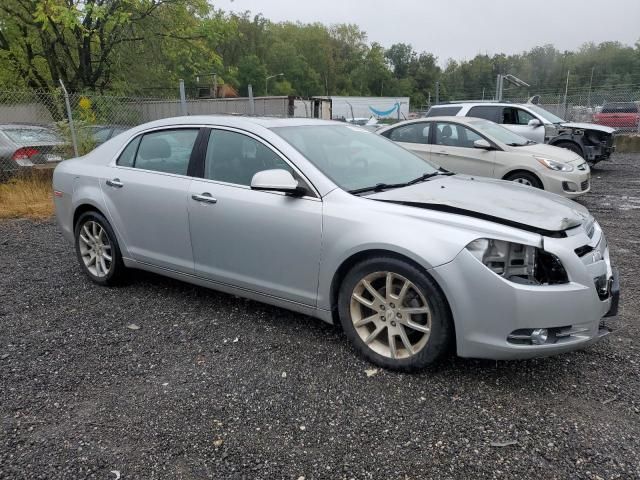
x=252 y=104
x=70 y=116
x=183 y=98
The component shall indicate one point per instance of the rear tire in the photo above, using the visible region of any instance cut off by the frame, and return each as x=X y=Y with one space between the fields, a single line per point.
x=525 y=178
x=97 y=249
x=395 y=315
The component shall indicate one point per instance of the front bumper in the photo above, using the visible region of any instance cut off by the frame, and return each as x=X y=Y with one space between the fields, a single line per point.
x=568 y=185
x=488 y=309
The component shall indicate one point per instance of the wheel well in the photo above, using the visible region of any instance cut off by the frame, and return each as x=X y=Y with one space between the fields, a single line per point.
x=83 y=209
x=350 y=262
x=568 y=141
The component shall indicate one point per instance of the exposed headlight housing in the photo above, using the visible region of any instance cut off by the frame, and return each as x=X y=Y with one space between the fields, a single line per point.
x=519 y=263
x=552 y=165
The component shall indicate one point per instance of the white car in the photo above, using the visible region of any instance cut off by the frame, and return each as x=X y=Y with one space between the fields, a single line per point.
x=474 y=146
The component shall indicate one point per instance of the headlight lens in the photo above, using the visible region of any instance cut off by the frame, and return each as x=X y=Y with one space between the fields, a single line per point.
x=519 y=263
x=557 y=166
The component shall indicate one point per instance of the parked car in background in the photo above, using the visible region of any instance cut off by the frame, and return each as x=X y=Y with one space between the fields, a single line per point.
x=619 y=115
x=474 y=146
x=102 y=133
x=592 y=142
x=334 y=221
x=24 y=147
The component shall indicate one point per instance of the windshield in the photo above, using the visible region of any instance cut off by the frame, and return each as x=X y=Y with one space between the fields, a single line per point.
x=545 y=114
x=354 y=158
x=31 y=135
x=499 y=133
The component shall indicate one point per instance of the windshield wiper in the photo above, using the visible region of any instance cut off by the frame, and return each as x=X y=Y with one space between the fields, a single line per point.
x=386 y=186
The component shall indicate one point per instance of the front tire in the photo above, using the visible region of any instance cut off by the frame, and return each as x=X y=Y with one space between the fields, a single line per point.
x=394 y=314
x=525 y=178
x=97 y=249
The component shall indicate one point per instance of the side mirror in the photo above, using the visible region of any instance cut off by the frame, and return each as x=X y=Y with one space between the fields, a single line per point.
x=483 y=144
x=276 y=180
x=535 y=123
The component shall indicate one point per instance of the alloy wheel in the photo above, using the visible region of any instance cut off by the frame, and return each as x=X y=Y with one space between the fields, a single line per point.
x=523 y=181
x=391 y=315
x=95 y=249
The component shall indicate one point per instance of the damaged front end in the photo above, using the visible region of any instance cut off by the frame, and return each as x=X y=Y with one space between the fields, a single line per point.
x=595 y=141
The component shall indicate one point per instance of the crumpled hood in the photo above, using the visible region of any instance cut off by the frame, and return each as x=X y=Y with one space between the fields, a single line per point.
x=589 y=126
x=494 y=200
x=556 y=154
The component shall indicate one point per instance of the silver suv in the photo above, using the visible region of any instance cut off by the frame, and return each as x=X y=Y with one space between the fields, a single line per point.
x=592 y=142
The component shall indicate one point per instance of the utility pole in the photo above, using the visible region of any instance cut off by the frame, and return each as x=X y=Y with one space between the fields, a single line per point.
x=266 y=82
x=566 y=89
x=590 y=85
x=437 y=93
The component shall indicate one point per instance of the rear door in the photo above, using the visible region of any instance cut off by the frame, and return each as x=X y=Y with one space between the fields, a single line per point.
x=453 y=150
x=147 y=194
x=412 y=136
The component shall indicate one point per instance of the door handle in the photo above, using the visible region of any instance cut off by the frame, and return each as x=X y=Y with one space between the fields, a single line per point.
x=115 y=183
x=442 y=153
x=204 y=198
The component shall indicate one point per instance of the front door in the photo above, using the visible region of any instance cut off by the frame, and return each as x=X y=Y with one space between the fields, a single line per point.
x=147 y=194
x=261 y=241
x=517 y=120
x=453 y=150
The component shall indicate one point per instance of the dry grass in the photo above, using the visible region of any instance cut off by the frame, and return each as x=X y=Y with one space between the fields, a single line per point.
x=28 y=196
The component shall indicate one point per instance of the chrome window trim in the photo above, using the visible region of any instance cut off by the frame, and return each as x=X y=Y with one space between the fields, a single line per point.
x=114 y=161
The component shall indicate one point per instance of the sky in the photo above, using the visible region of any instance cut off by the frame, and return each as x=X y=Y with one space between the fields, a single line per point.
x=461 y=29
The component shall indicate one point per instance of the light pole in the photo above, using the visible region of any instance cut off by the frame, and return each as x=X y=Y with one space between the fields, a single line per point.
x=266 y=82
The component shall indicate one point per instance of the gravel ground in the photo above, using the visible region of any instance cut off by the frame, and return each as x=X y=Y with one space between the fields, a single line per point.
x=160 y=379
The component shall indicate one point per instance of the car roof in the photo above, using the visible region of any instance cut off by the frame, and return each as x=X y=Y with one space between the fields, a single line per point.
x=23 y=125
x=240 y=120
x=462 y=120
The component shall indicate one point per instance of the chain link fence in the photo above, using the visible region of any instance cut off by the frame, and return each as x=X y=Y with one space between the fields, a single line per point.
x=38 y=130
x=36 y=127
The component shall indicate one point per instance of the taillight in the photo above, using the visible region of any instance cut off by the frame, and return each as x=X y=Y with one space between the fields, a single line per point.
x=24 y=153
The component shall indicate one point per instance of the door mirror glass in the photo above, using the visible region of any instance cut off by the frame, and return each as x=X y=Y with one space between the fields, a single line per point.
x=276 y=180
x=534 y=122
x=482 y=143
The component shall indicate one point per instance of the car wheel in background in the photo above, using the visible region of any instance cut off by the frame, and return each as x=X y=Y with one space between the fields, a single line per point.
x=525 y=178
x=97 y=249
x=394 y=314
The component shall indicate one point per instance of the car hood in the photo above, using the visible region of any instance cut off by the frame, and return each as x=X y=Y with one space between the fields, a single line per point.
x=589 y=126
x=499 y=201
x=552 y=153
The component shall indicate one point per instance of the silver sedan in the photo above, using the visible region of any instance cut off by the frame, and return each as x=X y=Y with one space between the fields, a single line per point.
x=339 y=223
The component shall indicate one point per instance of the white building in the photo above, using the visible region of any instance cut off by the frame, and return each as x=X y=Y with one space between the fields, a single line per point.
x=367 y=107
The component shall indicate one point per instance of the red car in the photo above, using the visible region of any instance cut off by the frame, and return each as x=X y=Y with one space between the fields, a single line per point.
x=624 y=115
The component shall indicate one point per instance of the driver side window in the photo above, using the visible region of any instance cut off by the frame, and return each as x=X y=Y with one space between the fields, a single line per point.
x=235 y=158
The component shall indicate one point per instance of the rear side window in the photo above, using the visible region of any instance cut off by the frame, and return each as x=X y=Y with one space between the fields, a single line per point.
x=443 y=111
x=165 y=151
x=487 y=112
x=413 y=133
x=128 y=155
